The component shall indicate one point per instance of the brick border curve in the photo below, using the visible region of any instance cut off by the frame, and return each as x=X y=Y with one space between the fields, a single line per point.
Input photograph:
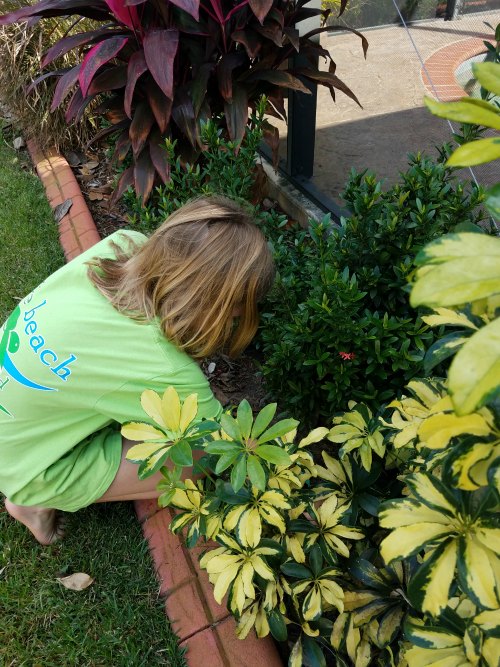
x=205 y=628
x=438 y=72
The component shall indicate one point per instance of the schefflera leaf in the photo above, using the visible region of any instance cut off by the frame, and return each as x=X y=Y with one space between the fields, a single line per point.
x=173 y=435
x=456 y=269
x=433 y=520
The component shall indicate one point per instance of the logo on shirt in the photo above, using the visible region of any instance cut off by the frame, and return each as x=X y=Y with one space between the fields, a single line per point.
x=10 y=343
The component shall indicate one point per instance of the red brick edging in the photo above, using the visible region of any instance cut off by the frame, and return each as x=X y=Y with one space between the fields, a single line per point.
x=438 y=72
x=205 y=628
x=77 y=231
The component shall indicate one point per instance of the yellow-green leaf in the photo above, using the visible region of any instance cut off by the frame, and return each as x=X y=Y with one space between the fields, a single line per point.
x=426 y=392
x=143 y=451
x=443 y=657
x=247 y=621
x=437 y=431
x=249 y=528
x=171 y=409
x=474 y=375
x=342 y=432
x=455 y=246
x=188 y=412
x=470 y=476
x=315 y=435
x=475 y=152
x=338 y=631
x=457 y=281
x=450 y=317
x=427 y=490
x=363 y=654
x=389 y=626
x=438 y=574
x=141 y=431
x=490 y=538
x=404 y=541
x=311 y=607
x=491 y=651
x=151 y=404
x=406 y=511
x=224 y=580
x=488 y=75
x=464 y=112
x=295 y=659
x=476 y=567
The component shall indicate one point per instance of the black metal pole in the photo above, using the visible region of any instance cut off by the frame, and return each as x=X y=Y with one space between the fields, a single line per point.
x=454 y=9
x=301 y=127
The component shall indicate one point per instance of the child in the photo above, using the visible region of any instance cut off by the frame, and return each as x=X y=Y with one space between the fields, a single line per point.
x=130 y=314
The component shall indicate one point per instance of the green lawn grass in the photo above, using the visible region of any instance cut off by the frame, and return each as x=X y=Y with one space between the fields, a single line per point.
x=119 y=621
x=29 y=247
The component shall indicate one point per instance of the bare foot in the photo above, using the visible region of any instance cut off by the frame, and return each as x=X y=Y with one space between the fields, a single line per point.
x=47 y=525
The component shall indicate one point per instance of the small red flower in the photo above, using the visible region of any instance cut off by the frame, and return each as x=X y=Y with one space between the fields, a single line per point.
x=347 y=355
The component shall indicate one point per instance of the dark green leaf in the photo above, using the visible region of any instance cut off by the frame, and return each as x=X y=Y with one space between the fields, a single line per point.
x=277 y=625
x=278 y=430
x=165 y=498
x=181 y=453
x=313 y=654
x=368 y=574
x=225 y=492
x=231 y=427
x=256 y=473
x=239 y=474
x=142 y=473
x=444 y=348
x=292 y=569
x=315 y=559
x=273 y=454
x=222 y=447
x=225 y=461
x=263 y=419
x=244 y=417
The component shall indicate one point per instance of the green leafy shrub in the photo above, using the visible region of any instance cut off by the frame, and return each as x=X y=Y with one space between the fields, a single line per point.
x=223 y=168
x=337 y=325
x=160 y=67
x=384 y=552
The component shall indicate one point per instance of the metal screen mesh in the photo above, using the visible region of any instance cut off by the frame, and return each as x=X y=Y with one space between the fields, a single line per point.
x=405 y=61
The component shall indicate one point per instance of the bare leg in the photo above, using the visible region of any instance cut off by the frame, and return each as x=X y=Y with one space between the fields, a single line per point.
x=127 y=485
x=47 y=525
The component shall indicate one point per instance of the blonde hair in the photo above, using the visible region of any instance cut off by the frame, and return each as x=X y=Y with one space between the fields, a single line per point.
x=207 y=261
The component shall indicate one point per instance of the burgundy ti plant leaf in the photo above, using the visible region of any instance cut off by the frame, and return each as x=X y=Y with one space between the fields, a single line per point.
x=157 y=68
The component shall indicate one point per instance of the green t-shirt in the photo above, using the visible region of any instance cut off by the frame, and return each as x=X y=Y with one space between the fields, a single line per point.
x=70 y=364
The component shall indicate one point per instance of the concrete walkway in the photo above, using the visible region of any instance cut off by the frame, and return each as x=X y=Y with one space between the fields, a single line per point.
x=389 y=85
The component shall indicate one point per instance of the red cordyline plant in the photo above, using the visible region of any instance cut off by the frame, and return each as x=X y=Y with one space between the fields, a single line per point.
x=160 y=67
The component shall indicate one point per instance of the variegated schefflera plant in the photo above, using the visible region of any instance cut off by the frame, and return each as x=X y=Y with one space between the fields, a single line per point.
x=449 y=433
x=374 y=541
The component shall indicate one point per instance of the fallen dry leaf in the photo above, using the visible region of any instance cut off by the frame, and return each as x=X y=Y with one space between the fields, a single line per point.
x=106 y=189
x=91 y=165
x=76 y=582
x=61 y=209
x=73 y=158
x=95 y=196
